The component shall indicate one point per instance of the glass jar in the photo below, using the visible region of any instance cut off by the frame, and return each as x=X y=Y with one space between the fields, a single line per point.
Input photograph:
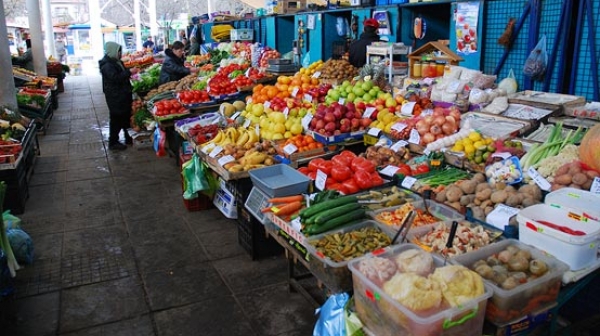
x=440 y=67
x=417 y=69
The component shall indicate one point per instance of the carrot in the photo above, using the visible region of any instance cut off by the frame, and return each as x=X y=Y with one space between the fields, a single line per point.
x=287 y=199
x=267 y=209
x=288 y=209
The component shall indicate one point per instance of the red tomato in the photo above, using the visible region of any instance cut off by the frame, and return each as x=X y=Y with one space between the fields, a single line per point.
x=312 y=175
x=340 y=160
x=314 y=164
x=341 y=173
x=356 y=162
x=348 y=153
x=376 y=179
x=363 y=179
x=367 y=166
x=329 y=182
x=304 y=170
x=404 y=170
x=339 y=187
x=325 y=167
x=422 y=169
x=351 y=186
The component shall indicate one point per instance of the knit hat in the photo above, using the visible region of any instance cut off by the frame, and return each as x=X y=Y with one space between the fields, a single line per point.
x=371 y=23
x=112 y=49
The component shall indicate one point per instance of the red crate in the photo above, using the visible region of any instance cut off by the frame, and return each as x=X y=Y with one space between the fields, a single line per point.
x=202 y=202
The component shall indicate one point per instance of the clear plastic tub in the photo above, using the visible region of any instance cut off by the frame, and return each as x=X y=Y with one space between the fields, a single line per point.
x=576 y=251
x=279 y=180
x=582 y=202
x=335 y=275
x=386 y=317
x=506 y=306
x=440 y=211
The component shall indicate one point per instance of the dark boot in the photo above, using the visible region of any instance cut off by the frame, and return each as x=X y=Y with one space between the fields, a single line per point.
x=114 y=127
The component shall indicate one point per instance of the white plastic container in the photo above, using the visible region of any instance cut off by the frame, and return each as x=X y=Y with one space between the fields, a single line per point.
x=576 y=251
x=510 y=305
x=384 y=316
x=581 y=202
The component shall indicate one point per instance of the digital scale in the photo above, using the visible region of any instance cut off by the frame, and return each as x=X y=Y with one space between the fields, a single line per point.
x=255 y=202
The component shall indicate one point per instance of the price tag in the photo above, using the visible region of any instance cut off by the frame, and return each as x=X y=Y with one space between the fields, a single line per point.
x=595 y=188
x=500 y=216
x=374 y=131
x=369 y=112
x=306 y=120
x=267 y=104
x=427 y=151
x=295 y=91
x=427 y=112
x=399 y=127
x=235 y=115
x=247 y=123
x=400 y=144
x=308 y=97
x=286 y=112
x=216 y=151
x=342 y=101
x=320 y=180
x=408 y=182
x=290 y=149
x=538 y=179
x=225 y=160
x=296 y=224
x=208 y=147
x=257 y=130
x=389 y=170
x=503 y=155
x=414 y=138
x=407 y=109
x=317 y=74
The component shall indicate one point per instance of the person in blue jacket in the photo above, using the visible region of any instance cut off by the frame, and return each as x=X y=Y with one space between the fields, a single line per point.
x=173 y=67
x=118 y=93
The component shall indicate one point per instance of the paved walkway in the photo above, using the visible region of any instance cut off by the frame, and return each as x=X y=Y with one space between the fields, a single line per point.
x=118 y=254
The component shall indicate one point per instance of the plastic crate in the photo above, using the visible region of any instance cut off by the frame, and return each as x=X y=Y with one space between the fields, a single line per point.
x=202 y=202
x=253 y=238
x=383 y=315
x=279 y=180
x=515 y=302
x=582 y=202
x=335 y=275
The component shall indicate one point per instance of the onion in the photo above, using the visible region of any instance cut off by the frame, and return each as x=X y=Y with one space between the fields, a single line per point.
x=439 y=120
x=448 y=128
x=435 y=129
x=428 y=120
x=455 y=114
x=440 y=136
x=427 y=138
x=438 y=111
x=450 y=119
x=422 y=129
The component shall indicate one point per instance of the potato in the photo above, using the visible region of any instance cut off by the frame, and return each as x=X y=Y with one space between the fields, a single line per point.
x=574 y=186
x=484 y=194
x=466 y=199
x=441 y=196
x=529 y=201
x=562 y=170
x=453 y=194
x=564 y=179
x=487 y=210
x=531 y=190
x=514 y=200
x=482 y=186
x=579 y=179
x=592 y=174
x=499 y=196
x=479 y=178
x=468 y=187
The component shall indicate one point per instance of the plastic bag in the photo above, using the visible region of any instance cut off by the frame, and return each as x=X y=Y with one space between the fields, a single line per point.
x=478 y=96
x=10 y=221
x=159 y=140
x=306 y=60
x=498 y=105
x=195 y=180
x=482 y=81
x=509 y=84
x=536 y=63
x=353 y=323
x=21 y=244
x=341 y=26
x=331 y=316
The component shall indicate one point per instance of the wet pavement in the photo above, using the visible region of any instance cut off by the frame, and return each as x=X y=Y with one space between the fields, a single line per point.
x=117 y=253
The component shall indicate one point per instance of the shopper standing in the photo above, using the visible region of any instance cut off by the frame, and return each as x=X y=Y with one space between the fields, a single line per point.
x=173 y=67
x=194 y=46
x=117 y=91
x=61 y=49
x=149 y=44
x=358 y=48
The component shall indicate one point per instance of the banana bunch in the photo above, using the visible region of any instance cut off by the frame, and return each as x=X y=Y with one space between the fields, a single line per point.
x=220 y=32
x=252 y=159
x=239 y=137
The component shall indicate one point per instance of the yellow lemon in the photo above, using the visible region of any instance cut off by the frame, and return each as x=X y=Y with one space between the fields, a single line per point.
x=488 y=141
x=469 y=149
x=467 y=141
x=478 y=144
x=458 y=147
x=474 y=136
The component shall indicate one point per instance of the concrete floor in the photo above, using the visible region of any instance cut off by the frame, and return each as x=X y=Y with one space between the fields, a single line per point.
x=117 y=253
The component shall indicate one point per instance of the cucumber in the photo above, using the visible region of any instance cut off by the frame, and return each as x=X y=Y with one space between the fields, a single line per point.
x=325 y=216
x=336 y=222
x=327 y=205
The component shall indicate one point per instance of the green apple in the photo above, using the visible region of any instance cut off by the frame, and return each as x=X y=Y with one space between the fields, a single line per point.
x=335 y=95
x=373 y=92
x=367 y=97
x=302 y=112
x=367 y=85
x=343 y=94
x=351 y=97
x=358 y=91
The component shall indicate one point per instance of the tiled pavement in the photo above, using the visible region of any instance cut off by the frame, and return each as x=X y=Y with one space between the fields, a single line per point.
x=118 y=254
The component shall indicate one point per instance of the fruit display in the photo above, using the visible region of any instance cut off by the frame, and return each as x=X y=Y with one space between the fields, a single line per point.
x=191 y=97
x=362 y=91
x=168 y=107
x=221 y=85
x=301 y=143
x=383 y=156
x=266 y=56
x=312 y=68
x=255 y=74
x=229 y=109
x=346 y=172
x=9 y=150
x=338 y=70
x=338 y=118
x=198 y=59
x=477 y=148
x=242 y=81
x=275 y=126
x=240 y=136
x=137 y=59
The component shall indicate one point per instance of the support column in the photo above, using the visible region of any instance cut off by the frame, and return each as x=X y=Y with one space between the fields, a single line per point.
x=35 y=34
x=210 y=7
x=7 y=87
x=96 y=38
x=153 y=19
x=49 y=29
x=138 y=24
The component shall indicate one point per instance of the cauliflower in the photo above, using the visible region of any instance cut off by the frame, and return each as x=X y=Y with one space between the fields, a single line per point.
x=548 y=166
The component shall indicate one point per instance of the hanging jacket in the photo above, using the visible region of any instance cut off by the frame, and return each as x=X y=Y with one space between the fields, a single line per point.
x=173 y=68
x=358 y=48
x=115 y=80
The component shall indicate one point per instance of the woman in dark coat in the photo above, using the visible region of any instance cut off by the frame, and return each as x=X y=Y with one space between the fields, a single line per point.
x=117 y=91
x=173 y=67
x=358 y=48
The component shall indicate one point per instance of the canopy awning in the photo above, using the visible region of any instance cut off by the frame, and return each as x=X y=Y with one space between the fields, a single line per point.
x=86 y=25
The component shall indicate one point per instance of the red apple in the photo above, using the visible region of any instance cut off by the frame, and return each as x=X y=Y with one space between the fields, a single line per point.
x=329 y=117
x=365 y=122
x=355 y=124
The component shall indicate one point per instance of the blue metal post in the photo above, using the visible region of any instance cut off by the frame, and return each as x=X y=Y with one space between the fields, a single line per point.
x=578 y=30
x=534 y=27
x=592 y=46
x=559 y=40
